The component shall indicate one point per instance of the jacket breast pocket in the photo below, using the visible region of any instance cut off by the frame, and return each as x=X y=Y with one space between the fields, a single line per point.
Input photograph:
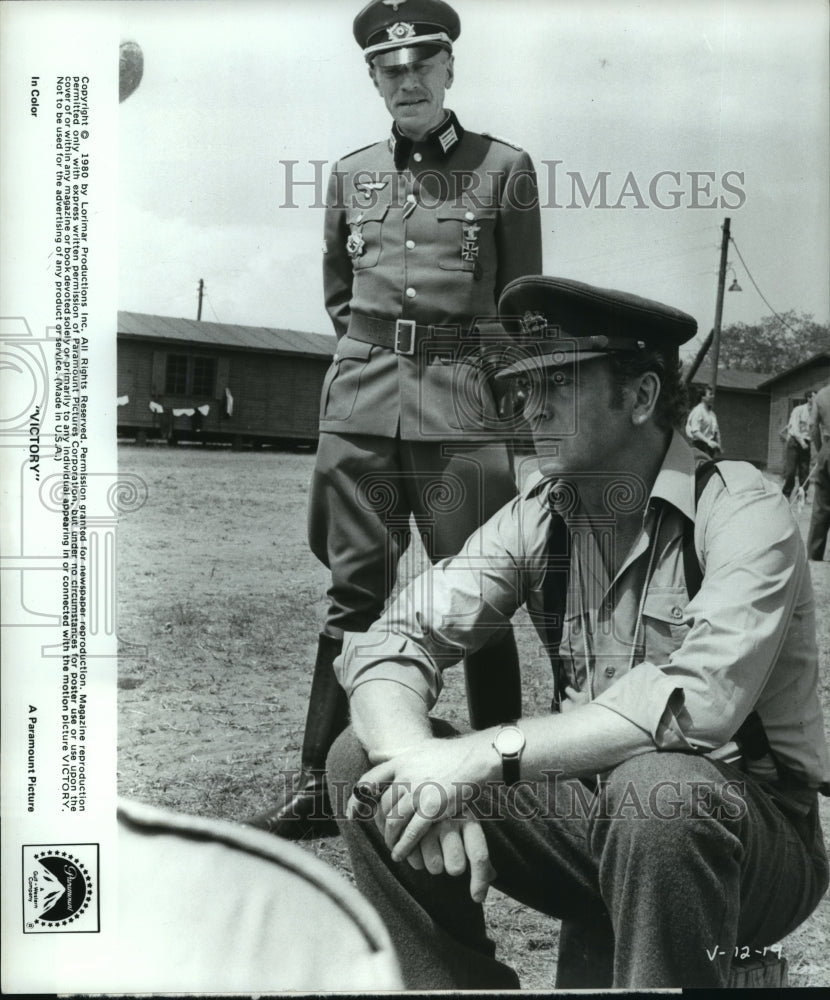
x=467 y=239
x=466 y=397
x=365 y=240
x=664 y=623
x=342 y=381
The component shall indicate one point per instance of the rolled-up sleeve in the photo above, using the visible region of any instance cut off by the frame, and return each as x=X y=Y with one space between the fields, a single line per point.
x=452 y=609
x=754 y=598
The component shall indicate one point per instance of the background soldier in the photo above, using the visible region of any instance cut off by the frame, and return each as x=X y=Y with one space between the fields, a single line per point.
x=820 y=518
x=422 y=232
x=702 y=425
x=797 y=458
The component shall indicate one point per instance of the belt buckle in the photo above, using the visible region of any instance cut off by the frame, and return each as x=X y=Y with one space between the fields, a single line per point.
x=409 y=325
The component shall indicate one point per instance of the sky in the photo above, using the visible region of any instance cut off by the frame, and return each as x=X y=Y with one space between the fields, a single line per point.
x=731 y=97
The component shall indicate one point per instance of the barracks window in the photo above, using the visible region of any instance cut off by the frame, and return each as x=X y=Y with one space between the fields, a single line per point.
x=190 y=375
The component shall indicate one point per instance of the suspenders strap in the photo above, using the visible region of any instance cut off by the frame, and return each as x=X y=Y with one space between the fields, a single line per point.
x=751 y=737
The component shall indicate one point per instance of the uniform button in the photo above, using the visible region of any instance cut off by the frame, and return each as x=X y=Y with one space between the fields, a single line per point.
x=411 y=293
x=469 y=216
x=676 y=612
x=410 y=244
x=610 y=671
x=417 y=157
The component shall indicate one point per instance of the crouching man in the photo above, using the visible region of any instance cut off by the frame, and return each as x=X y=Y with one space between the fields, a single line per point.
x=671 y=796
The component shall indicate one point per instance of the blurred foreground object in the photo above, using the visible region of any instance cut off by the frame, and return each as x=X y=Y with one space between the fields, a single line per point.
x=130 y=69
x=206 y=905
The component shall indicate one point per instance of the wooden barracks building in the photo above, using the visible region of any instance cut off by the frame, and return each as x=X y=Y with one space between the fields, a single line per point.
x=181 y=379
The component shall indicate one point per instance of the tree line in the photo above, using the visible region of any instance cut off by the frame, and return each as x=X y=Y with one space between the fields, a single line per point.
x=774 y=344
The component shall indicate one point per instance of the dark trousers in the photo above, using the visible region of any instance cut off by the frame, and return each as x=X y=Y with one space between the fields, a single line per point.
x=707 y=449
x=820 y=518
x=362 y=493
x=679 y=886
x=796 y=465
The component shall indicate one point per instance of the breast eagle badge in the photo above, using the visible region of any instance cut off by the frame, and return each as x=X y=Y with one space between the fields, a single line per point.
x=366 y=188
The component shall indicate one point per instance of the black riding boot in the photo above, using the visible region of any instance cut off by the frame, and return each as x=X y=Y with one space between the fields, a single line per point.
x=494 y=683
x=305 y=811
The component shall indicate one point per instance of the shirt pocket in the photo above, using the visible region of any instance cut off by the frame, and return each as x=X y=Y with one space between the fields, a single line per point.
x=664 y=624
x=342 y=381
x=467 y=238
x=365 y=240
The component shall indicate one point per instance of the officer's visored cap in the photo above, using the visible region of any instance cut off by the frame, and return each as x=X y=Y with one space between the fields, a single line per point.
x=397 y=32
x=560 y=321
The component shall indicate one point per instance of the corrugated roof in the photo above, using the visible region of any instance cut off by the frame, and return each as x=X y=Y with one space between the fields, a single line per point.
x=730 y=378
x=257 y=338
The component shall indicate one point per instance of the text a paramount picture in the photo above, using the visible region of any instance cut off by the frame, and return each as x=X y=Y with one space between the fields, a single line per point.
x=413 y=437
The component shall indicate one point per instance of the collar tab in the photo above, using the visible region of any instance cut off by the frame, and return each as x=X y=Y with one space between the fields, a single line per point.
x=442 y=139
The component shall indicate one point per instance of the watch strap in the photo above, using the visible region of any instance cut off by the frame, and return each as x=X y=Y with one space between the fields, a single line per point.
x=511 y=769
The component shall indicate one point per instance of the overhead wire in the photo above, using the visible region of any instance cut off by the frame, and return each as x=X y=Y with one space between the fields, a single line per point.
x=211 y=306
x=758 y=290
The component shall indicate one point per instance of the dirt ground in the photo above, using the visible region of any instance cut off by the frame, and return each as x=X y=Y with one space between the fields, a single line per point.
x=220 y=603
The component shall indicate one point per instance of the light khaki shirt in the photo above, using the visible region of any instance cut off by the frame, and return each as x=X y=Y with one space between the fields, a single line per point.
x=687 y=672
x=703 y=425
x=798 y=426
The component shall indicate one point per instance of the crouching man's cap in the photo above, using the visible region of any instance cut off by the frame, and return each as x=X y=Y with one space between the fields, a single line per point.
x=561 y=321
x=397 y=32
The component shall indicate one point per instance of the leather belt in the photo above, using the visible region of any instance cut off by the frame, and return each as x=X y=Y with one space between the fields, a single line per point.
x=399 y=335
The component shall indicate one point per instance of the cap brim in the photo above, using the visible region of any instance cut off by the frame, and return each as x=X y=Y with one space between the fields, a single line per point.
x=540 y=364
x=407 y=54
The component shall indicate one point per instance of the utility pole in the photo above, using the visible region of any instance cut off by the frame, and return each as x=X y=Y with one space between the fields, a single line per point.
x=724 y=249
x=202 y=292
x=701 y=354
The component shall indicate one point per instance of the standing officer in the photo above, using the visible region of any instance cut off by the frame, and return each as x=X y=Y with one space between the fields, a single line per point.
x=422 y=232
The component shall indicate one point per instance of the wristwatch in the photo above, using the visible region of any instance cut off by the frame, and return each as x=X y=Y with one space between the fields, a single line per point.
x=509 y=742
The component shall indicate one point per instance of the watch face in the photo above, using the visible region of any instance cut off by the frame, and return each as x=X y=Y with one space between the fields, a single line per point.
x=509 y=740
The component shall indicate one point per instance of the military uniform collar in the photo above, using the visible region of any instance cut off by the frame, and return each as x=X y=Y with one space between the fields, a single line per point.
x=442 y=140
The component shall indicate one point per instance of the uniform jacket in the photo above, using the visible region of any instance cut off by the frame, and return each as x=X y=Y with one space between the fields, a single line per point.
x=431 y=232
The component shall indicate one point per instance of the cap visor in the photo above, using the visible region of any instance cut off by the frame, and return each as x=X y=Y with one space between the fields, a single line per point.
x=538 y=364
x=407 y=54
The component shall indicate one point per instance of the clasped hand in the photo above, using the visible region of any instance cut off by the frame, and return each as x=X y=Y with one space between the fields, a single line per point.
x=418 y=803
